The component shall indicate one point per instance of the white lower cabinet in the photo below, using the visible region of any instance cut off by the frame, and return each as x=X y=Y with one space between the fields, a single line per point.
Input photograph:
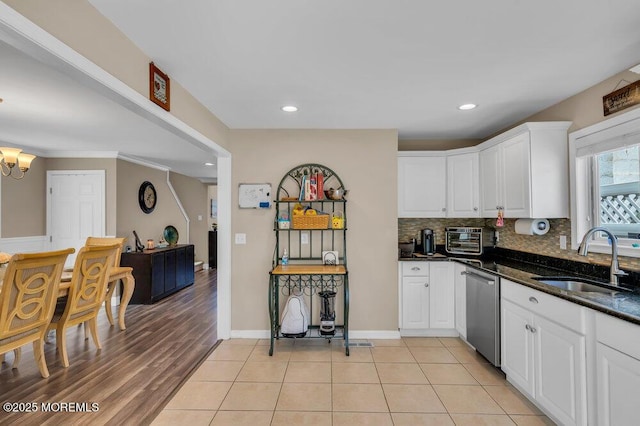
x=441 y=295
x=544 y=351
x=415 y=302
x=617 y=371
x=427 y=297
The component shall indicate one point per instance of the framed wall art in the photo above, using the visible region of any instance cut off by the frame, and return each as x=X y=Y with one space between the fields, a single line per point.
x=159 y=87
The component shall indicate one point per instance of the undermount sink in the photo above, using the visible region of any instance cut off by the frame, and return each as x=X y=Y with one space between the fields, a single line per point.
x=579 y=285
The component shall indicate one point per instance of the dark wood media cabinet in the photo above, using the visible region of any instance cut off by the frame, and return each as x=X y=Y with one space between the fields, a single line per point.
x=160 y=272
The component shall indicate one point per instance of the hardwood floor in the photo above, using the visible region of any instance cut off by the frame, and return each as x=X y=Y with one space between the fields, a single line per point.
x=134 y=374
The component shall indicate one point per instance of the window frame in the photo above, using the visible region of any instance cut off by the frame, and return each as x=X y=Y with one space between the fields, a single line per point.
x=583 y=144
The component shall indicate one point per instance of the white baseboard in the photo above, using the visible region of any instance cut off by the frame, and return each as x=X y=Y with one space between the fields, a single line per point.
x=250 y=334
x=432 y=332
x=374 y=334
x=353 y=334
x=24 y=244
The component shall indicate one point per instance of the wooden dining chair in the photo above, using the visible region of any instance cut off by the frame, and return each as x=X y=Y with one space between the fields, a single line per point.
x=87 y=291
x=111 y=285
x=27 y=300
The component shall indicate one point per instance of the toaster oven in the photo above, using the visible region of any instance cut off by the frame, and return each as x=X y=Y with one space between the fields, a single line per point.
x=468 y=240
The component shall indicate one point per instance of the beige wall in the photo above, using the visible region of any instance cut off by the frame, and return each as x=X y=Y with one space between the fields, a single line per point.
x=29 y=217
x=193 y=196
x=80 y=26
x=131 y=218
x=23 y=203
x=585 y=108
x=435 y=144
x=366 y=163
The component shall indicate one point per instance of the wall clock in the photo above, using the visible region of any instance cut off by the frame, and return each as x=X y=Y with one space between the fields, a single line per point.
x=147 y=197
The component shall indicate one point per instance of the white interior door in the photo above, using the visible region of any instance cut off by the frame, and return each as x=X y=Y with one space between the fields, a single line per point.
x=75 y=208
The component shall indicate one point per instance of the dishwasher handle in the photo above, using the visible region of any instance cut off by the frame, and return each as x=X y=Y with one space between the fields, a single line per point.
x=478 y=277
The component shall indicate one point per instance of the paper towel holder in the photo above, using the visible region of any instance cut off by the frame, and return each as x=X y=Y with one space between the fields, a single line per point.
x=532 y=226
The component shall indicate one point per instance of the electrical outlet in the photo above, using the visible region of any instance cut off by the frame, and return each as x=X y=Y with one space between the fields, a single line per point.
x=304 y=238
x=241 y=238
x=563 y=242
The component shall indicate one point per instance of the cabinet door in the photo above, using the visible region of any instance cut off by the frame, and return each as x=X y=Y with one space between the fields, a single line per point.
x=421 y=186
x=441 y=295
x=415 y=302
x=490 y=181
x=157 y=275
x=463 y=185
x=461 y=299
x=516 y=169
x=517 y=345
x=618 y=386
x=169 y=270
x=560 y=365
x=181 y=267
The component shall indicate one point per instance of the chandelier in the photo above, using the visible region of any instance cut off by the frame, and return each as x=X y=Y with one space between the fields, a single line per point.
x=12 y=157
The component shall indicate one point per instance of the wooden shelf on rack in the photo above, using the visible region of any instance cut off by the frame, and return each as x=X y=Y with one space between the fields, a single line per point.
x=309 y=270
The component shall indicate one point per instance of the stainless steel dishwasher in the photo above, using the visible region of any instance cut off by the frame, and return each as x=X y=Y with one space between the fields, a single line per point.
x=483 y=313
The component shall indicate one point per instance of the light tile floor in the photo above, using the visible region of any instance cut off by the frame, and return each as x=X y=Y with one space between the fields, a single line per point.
x=409 y=381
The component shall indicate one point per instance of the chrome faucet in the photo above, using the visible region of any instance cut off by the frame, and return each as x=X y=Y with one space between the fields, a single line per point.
x=615 y=270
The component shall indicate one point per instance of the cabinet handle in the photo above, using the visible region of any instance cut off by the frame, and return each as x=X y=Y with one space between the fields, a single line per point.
x=533 y=300
x=426 y=284
x=532 y=329
x=475 y=209
x=444 y=209
x=527 y=327
x=415 y=268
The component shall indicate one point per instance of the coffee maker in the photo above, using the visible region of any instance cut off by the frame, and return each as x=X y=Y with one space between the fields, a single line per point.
x=428 y=241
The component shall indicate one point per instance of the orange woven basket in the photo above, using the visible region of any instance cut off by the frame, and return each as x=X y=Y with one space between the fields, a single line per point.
x=320 y=221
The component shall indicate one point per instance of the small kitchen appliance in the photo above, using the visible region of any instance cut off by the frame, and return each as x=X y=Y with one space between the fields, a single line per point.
x=468 y=240
x=327 y=313
x=428 y=241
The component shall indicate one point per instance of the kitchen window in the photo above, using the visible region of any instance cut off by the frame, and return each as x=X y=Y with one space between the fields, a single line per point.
x=605 y=183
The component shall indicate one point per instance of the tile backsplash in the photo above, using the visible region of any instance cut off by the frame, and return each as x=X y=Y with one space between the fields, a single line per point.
x=548 y=244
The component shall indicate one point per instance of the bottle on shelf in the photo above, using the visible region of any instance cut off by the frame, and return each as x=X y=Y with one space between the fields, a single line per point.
x=285 y=258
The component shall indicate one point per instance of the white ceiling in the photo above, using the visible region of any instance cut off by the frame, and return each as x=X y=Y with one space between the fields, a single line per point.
x=404 y=64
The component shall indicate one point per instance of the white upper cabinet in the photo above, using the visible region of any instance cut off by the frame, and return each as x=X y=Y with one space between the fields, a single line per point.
x=525 y=172
x=463 y=185
x=422 y=183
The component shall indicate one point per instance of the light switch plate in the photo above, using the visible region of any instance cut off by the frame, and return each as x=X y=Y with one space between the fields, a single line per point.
x=241 y=238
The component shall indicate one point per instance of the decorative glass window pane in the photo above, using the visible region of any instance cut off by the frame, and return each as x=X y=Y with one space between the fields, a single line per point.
x=618 y=183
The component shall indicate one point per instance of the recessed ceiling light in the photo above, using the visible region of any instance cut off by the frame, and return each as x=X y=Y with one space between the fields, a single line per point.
x=465 y=107
x=208 y=164
x=289 y=108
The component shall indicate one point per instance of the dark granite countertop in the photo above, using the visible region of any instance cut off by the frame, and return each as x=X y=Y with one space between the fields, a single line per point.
x=624 y=304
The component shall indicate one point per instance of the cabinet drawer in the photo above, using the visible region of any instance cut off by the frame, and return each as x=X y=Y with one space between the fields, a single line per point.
x=621 y=335
x=560 y=311
x=415 y=269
